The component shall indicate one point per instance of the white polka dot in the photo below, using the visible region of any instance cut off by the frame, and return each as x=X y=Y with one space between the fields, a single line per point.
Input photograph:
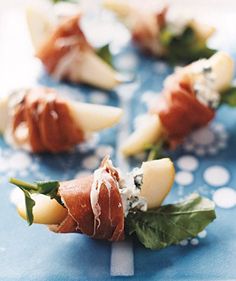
x=218 y=128
x=104 y=150
x=160 y=67
x=189 y=146
x=128 y=61
x=148 y=98
x=91 y=162
x=187 y=163
x=194 y=241
x=225 y=197
x=222 y=144
x=200 y=151
x=213 y=150
x=98 y=97
x=216 y=176
x=203 y=136
x=184 y=242
x=183 y=178
x=223 y=136
x=202 y=234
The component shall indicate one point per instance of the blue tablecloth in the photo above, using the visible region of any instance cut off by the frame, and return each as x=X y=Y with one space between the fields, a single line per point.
x=205 y=163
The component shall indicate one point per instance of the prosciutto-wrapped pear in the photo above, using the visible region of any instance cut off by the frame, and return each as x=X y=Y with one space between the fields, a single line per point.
x=108 y=205
x=66 y=54
x=39 y=120
x=188 y=101
x=160 y=32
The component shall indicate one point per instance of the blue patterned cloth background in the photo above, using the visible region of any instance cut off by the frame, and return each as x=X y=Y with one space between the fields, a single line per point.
x=205 y=163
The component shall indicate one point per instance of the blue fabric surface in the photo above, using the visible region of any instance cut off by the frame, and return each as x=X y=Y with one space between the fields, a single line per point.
x=34 y=253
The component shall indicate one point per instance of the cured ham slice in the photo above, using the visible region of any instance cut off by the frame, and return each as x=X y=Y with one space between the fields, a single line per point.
x=43 y=121
x=94 y=205
x=66 y=40
x=147 y=30
x=180 y=111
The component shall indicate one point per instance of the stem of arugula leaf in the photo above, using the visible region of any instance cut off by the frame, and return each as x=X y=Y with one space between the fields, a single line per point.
x=27 y=185
x=152 y=155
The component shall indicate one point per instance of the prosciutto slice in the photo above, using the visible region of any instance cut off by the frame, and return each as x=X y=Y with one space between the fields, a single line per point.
x=94 y=205
x=46 y=122
x=63 y=47
x=179 y=109
x=146 y=30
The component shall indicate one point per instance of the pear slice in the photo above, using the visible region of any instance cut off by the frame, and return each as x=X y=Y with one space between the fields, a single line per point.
x=92 y=70
x=41 y=22
x=3 y=114
x=158 y=178
x=222 y=67
x=46 y=210
x=149 y=132
x=92 y=117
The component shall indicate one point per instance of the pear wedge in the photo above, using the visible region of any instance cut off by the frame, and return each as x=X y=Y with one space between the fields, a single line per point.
x=158 y=178
x=3 y=114
x=222 y=67
x=92 y=70
x=91 y=117
x=41 y=22
x=45 y=211
x=150 y=132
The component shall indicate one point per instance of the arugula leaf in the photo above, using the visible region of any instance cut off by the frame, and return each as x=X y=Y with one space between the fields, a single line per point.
x=228 y=97
x=48 y=188
x=161 y=227
x=185 y=47
x=105 y=54
x=29 y=204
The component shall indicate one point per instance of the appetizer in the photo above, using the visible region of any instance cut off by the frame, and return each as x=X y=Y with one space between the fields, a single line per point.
x=66 y=54
x=107 y=205
x=188 y=101
x=39 y=120
x=157 y=32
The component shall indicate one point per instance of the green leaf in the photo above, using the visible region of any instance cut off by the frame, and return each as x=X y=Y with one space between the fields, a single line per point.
x=29 y=204
x=228 y=97
x=105 y=54
x=47 y=188
x=161 y=227
x=185 y=47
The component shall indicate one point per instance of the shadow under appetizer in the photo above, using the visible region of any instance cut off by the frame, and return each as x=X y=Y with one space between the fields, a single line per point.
x=157 y=32
x=66 y=54
x=111 y=206
x=39 y=120
x=189 y=100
